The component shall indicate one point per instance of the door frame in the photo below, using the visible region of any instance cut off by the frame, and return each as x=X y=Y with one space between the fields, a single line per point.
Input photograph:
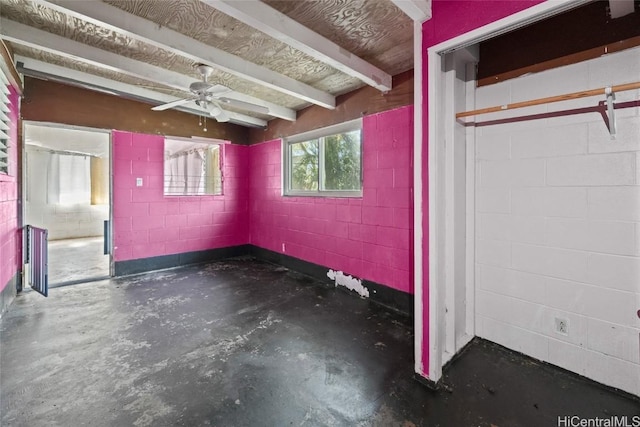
x=23 y=175
x=441 y=191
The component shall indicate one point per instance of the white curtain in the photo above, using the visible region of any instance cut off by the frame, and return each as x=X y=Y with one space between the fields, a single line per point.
x=195 y=172
x=69 y=179
x=173 y=184
x=185 y=173
x=53 y=180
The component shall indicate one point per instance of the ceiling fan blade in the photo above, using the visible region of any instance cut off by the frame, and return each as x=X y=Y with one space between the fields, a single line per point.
x=172 y=104
x=221 y=116
x=244 y=105
x=218 y=90
x=218 y=113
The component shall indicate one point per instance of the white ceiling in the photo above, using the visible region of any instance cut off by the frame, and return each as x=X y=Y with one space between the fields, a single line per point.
x=94 y=143
x=282 y=55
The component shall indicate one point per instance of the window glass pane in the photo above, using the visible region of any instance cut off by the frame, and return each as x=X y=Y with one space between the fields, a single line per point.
x=304 y=165
x=325 y=162
x=191 y=169
x=342 y=161
x=213 y=173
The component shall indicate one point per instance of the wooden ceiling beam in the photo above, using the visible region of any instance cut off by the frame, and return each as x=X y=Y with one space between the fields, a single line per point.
x=418 y=10
x=42 y=40
x=8 y=67
x=280 y=27
x=146 y=31
x=620 y=8
x=93 y=82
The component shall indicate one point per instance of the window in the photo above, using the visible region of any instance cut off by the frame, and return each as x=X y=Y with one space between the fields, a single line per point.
x=191 y=168
x=325 y=162
x=4 y=124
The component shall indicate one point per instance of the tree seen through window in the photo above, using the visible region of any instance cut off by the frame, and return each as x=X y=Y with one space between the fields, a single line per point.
x=331 y=163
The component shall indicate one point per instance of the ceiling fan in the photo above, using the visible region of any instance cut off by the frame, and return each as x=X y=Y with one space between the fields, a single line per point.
x=210 y=97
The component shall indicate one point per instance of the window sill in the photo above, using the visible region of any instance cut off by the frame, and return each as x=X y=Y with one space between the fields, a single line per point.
x=173 y=195
x=325 y=194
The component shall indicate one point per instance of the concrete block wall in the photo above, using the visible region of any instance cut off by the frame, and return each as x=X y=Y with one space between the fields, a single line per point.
x=368 y=237
x=148 y=224
x=68 y=221
x=558 y=224
x=10 y=234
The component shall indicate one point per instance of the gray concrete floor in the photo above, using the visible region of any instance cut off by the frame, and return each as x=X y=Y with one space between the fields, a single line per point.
x=72 y=260
x=245 y=343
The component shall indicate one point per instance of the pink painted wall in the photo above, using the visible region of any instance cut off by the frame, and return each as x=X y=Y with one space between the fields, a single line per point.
x=450 y=18
x=10 y=239
x=368 y=237
x=148 y=224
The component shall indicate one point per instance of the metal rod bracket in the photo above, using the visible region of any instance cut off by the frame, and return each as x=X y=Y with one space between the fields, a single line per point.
x=611 y=122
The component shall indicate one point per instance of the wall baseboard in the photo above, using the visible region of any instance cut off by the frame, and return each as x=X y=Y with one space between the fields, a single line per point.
x=135 y=266
x=9 y=292
x=393 y=299
x=430 y=384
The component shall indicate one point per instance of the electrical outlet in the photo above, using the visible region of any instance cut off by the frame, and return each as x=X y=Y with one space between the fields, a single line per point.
x=562 y=326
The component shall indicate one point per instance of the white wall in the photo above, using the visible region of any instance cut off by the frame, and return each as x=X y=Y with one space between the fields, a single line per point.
x=64 y=221
x=460 y=82
x=558 y=224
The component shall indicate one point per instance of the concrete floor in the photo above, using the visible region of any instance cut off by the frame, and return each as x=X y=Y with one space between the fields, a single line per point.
x=72 y=260
x=245 y=343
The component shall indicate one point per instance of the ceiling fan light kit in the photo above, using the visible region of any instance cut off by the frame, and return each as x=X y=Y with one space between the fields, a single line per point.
x=209 y=97
x=205 y=71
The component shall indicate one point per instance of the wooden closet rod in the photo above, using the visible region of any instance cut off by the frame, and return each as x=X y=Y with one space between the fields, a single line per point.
x=565 y=97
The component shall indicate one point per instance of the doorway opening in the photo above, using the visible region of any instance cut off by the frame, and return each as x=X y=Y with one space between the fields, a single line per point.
x=66 y=190
x=524 y=205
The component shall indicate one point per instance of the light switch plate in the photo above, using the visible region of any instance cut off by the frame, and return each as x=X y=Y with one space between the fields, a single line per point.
x=138 y=182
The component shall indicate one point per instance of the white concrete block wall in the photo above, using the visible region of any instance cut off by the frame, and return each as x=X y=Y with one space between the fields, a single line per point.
x=558 y=224
x=68 y=221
